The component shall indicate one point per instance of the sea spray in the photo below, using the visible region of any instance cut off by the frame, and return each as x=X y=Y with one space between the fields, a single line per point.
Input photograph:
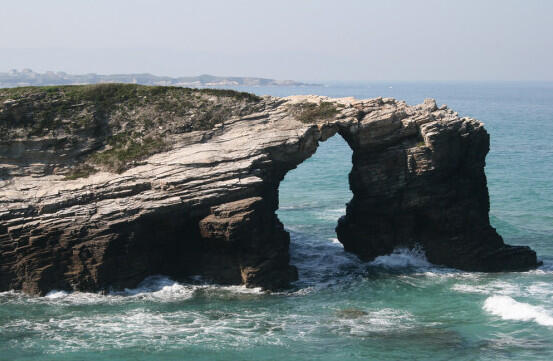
x=403 y=257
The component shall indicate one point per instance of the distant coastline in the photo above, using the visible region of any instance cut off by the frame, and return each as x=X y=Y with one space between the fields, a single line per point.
x=27 y=77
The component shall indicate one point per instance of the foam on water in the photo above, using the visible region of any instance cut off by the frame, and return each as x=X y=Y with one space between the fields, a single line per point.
x=379 y=321
x=537 y=289
x=154 y=289
x=545 y=268
x=165 y=289
x=147 y=328
x=55 y=294
x=403 y=258
x=142 y=327
x=331 y=214
x=495 y=287
x=540 y=289
x=335 y=241
x=509 y=309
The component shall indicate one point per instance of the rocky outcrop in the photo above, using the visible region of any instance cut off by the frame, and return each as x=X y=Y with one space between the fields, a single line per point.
x=205 y=202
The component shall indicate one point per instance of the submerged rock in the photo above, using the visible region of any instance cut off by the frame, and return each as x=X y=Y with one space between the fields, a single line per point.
x=100 y=189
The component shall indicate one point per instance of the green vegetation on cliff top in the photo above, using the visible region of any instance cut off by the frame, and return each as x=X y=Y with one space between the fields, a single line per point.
x=311 y=112
x=114 y=92
x=124 y=122
x=42 y=108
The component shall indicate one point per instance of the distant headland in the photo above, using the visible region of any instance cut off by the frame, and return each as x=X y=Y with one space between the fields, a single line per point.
x=28 y=77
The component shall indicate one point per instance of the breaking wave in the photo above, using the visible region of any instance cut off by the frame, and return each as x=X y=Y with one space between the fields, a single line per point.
x=160 y=289
x=403 y=258
x=509 y=309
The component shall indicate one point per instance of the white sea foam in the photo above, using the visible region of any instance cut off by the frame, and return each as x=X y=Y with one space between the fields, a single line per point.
x=331 y=214
x=55 y=294
x=165 y=289
x=335 y=241
x=538 y=290
x=142 y=325
x=444 y=274
x=149 y=328
x=497 y=288
x=153 y=289
x=384 y=320
x=10 y=293
x=546 y=268
x=159 y=288
x=509 y=309
x=403 y=258
x=466 y=288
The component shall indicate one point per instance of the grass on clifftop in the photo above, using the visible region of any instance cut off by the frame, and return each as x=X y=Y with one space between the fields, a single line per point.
x=110 y=93
x=127 y=149
x=311 y=112
x=112 y=126
x=42 y=109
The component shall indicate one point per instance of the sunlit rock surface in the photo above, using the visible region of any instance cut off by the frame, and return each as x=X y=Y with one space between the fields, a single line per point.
x=204 y=203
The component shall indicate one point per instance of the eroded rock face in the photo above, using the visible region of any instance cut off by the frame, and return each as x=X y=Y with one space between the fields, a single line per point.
x=426 y=185
x=206 y=206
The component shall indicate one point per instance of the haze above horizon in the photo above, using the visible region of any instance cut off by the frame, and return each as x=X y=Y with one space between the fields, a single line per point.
x=307 y=41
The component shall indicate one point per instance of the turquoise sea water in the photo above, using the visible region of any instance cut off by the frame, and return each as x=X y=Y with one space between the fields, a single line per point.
x=395 y=308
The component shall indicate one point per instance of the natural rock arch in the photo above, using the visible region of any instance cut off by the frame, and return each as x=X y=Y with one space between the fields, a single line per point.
x=208 y=205
x=416 y=180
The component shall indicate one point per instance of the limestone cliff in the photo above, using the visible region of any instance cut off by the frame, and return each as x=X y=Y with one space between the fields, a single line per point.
x=102 y=186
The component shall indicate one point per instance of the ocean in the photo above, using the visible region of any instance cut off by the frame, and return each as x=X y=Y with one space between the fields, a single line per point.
x=397 y=307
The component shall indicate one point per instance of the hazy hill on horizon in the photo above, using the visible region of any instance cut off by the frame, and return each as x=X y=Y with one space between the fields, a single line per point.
x=28 y=77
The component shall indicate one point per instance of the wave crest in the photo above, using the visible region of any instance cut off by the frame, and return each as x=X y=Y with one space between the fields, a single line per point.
x=509 y=309
x=403 y=257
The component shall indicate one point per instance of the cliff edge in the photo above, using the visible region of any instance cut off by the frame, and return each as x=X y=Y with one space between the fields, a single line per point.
x=104 y=185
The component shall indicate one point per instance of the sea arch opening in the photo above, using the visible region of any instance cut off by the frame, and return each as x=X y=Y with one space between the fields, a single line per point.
x=312 y=197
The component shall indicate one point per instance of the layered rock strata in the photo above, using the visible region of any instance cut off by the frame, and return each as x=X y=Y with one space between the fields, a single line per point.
x=204 y=203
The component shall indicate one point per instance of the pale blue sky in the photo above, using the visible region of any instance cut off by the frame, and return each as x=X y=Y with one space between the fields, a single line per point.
x=304 y=40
